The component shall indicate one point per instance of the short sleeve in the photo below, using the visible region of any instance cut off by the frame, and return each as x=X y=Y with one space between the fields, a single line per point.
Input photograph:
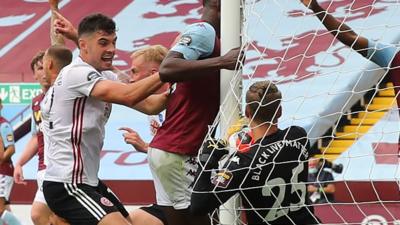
x=7 y=134
x=381 y=54
x=82 y=80
x=197 y=41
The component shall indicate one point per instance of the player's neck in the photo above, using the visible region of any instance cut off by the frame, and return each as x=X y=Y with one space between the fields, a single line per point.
x=262 y=130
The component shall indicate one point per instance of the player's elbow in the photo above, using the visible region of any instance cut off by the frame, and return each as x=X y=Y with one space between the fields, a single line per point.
x=165 y=73
x=169 y=70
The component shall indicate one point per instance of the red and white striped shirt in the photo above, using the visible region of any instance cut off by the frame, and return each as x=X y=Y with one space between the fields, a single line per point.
x=74 y=124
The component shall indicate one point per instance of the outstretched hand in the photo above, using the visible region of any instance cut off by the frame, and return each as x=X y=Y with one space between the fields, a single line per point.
x=133 y=138
x=64 y=26
x=232 y=58
x=19 y=175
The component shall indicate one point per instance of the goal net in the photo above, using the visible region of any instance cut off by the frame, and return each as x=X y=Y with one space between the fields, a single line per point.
x=345 y=102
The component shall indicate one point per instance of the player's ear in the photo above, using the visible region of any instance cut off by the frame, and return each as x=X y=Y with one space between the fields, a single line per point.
x=51 y=64
x=154 y=70
x=279 y=113
x=82 y=44
x=247 y=112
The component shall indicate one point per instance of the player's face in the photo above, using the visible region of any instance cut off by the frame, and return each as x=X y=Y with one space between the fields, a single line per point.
x=100 y=49
x=141 y=69
x=39 y=73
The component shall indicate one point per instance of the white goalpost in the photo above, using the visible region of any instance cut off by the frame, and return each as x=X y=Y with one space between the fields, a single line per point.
x=230 y=93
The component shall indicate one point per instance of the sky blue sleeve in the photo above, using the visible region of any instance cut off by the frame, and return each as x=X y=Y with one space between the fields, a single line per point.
x=7 y=134
x=381 y=54
x=197 y=41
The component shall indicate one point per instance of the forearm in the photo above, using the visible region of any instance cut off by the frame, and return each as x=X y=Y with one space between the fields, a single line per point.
x=29 y=152
x=203 y=200
x=55 y=38
x=152 y=105
x=126 y=94
x=341 y=31
x=178 y=70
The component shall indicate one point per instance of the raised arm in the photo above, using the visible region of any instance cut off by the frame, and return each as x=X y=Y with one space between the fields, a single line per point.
x=55 y=37
x=64 y=27
x=339 y=29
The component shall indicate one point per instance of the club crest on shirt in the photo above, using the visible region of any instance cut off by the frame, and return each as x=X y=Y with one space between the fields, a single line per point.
x=222 y=179
x=106 y=202
x=10 y=137
x=185 y=40
x=92 y=75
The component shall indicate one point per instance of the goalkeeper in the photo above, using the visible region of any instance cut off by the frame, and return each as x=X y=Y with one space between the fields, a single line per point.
x=270 y=175
x=384 y=55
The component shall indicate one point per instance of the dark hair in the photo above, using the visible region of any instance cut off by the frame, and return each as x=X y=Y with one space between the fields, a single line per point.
x=61 y=55
x=96 y=22
x=37 y=58
x=264 y=101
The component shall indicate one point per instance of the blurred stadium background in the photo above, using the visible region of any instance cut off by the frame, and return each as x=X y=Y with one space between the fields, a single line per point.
x=340 y=98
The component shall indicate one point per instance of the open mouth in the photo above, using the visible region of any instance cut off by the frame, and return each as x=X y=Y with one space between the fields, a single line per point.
x=107 y=58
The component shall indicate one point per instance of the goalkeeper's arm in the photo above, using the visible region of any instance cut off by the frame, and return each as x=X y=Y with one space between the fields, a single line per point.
x=339 y=29
x=209 y=192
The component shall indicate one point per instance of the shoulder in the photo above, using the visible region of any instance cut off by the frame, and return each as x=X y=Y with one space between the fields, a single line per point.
x=201 y=27
x=37 y=99
x=295 y=132
x=79 y=72
x=198 y=32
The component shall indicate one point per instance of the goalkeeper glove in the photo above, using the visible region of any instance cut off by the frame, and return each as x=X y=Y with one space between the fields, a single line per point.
x=211 y=152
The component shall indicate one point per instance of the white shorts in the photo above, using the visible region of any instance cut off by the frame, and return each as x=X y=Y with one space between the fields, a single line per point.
x=39 y=197
x=173 y=176
x=6 y=184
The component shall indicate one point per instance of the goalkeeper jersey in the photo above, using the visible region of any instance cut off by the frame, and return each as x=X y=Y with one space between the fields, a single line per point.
x=74 y=125
x=271 y=178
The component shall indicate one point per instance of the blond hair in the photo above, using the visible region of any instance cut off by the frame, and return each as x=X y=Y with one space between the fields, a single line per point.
x=154 y=53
